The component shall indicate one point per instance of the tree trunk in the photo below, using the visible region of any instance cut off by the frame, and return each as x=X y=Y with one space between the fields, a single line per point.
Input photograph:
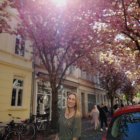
x=112 y=103
x=54 y=123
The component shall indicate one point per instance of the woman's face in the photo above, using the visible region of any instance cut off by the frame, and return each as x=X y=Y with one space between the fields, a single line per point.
x=71 y=102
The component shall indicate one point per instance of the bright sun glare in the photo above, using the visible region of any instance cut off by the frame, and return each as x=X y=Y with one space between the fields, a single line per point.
x=60 y=2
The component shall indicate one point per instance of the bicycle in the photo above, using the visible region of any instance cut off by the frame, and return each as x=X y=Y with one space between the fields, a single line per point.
x=27 y=130
x=2 y=130
x=10 y=130
x=13 y=135
x=22 y=131
x=41 y=123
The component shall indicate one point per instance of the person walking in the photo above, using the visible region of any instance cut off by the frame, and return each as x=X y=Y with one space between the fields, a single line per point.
x=103 y=116
x=95 y=117
x=70 y=120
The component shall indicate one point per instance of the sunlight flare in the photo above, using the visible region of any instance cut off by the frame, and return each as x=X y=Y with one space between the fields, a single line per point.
x=60 y=2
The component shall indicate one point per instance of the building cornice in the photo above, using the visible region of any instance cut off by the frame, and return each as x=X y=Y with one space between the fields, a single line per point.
x=16 y=66
x=3 y=52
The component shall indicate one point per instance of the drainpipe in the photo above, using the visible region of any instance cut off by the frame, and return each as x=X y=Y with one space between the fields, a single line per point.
x=33 y=98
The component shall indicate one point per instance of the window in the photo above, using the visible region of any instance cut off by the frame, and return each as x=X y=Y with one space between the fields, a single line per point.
x=44 y=97
x=17 y=92
x=91 y=101
x=20 y=45
x=89 y=77
x=83 y=74
x=72 y=69
x=62 y=99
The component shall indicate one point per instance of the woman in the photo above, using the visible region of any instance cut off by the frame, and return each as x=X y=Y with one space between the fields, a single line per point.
x=70 y=120
x=95 y=117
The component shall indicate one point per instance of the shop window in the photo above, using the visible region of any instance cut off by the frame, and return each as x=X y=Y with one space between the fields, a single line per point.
x=62 y=98
x=43 y=103
x=17 y=92
x=20 y=45
x=44 y=98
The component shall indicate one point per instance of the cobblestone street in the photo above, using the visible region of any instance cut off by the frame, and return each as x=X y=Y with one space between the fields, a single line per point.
x=87 y=133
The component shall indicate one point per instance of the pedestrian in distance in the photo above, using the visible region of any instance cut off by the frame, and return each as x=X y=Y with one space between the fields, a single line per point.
x=95 y=117
x=103 y=116
x=70 y=120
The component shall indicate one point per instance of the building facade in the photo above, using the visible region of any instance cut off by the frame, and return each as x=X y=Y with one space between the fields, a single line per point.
x=15 y=76
x=85 y=86
x=25 y=90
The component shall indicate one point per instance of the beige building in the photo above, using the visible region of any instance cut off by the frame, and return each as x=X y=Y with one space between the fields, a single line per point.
x=15 y=76
x=21 y=97
x=85 y=85
x=23 y=93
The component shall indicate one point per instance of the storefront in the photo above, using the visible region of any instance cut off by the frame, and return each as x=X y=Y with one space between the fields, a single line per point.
x=43 y=99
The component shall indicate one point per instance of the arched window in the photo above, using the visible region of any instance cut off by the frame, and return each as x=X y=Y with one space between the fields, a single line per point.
x=17 y=92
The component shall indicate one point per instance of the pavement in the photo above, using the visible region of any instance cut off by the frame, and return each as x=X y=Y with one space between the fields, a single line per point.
x=88 y=133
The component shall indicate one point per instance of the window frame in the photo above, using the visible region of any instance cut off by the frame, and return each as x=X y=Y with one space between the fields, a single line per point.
x=20 y=45
x=17 y=88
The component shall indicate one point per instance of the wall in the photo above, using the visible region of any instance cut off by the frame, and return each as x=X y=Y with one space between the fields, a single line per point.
x=13 y=65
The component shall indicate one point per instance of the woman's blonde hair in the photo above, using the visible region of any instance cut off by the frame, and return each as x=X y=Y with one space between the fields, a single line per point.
x=77 y=106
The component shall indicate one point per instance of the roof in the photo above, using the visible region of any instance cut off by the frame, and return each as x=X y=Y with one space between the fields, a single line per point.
x=127 y=109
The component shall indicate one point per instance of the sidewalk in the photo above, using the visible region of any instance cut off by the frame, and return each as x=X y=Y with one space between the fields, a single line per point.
x=88 y=133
